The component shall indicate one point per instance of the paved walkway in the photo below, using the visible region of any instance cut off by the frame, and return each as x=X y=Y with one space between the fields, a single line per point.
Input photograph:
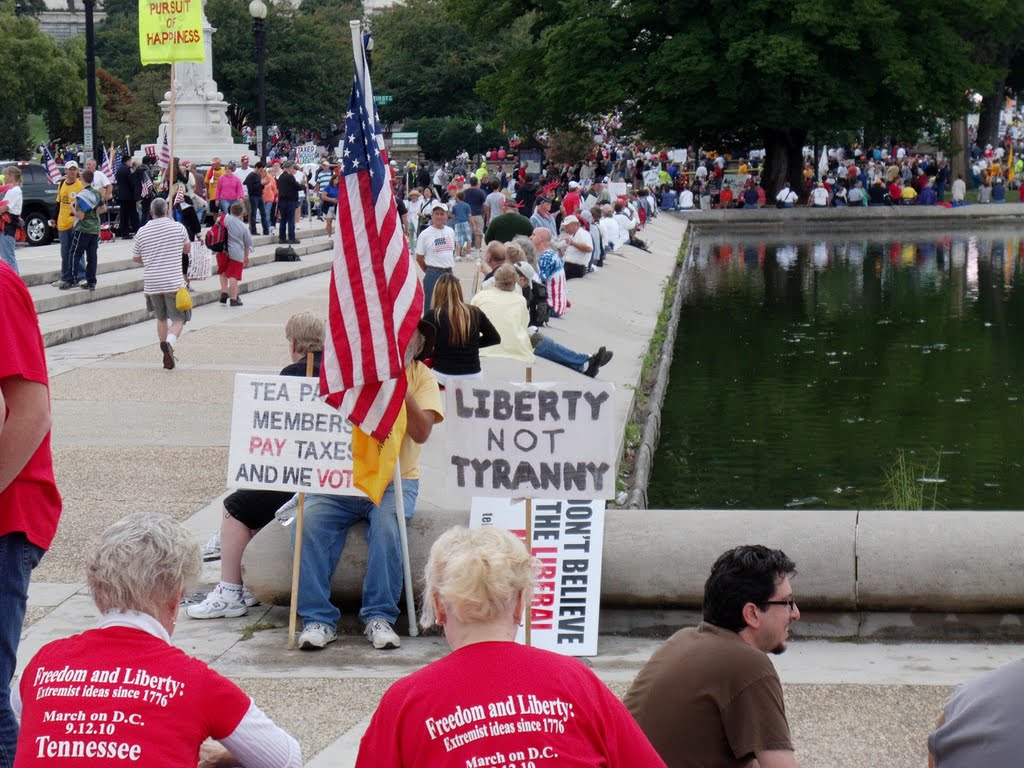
x=129 y=436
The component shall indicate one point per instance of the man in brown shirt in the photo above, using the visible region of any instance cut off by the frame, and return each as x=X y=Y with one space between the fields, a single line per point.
x=710 y=696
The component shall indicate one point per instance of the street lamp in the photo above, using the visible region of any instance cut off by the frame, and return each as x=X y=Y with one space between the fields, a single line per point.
x=479 y=129
x=258 y=11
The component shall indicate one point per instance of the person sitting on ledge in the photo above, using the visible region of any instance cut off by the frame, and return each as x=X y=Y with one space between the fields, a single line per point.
x=246 y=512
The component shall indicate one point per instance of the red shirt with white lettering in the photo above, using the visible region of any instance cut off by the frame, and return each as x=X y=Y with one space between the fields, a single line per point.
x=499 y=704
x=119 y=696
x=31 y=504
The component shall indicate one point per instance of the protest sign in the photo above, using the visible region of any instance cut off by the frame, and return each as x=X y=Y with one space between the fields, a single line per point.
x=284 y=438
x=307 y=154
x=545 y=441
x=568 y=539
x=171 y=30
x=618 y=189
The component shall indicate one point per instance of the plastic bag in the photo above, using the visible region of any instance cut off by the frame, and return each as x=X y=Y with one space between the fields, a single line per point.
x=182 y=300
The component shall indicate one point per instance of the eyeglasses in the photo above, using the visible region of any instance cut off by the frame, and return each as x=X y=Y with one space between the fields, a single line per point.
x=791 y=603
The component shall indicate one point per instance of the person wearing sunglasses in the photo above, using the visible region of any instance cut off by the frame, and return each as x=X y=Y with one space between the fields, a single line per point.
x=710 y=696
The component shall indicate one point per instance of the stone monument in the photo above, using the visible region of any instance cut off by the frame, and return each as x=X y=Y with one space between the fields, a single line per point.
x=202 y=130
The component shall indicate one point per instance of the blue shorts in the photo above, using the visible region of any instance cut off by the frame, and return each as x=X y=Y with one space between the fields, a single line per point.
x=463 y=233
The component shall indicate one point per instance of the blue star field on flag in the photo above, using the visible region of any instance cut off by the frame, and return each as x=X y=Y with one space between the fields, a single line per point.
x=361 y=152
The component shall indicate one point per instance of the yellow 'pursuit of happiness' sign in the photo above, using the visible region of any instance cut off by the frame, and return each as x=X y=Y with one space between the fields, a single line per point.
x=171 y=30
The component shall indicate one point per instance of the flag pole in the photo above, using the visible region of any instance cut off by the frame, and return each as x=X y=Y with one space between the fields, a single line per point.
x=528 y=609
x=293 y=606
x=410 y=598
x=171 y=164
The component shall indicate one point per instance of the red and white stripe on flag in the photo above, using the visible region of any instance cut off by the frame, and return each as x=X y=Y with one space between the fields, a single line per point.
x=165 y=155
x=375 y=299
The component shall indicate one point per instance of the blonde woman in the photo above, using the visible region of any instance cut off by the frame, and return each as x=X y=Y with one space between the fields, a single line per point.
x=147 y=702
x=491 y=698
x=461 y=331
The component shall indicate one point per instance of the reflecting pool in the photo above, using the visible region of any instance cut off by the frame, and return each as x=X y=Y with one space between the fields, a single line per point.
x=806 y=367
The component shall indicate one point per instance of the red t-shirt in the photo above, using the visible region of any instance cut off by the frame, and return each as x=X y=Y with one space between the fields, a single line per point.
x=499 y=703
x=31 y=504
x=571 y=203
x=117 y=697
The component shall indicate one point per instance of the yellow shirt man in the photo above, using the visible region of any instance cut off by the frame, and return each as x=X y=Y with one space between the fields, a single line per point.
x=66 y=193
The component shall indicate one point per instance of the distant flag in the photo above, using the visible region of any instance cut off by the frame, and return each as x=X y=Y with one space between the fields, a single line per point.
x=375 y=300
x=107 y=170
x=164 y=161
x=179 y=196
x=51 y=167
x=117 y=159
x=823 y=164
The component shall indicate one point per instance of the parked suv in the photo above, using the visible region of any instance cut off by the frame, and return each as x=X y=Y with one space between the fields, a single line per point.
x=40 y=198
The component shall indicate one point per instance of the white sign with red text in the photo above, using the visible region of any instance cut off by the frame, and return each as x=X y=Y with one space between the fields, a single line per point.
x=568 y=539
x=284 y=438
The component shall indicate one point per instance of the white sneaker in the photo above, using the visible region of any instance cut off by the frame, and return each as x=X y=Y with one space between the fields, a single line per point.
x=218 y=605
x=316 y=635
x=380 y=633
x=211 y=550
x=249 y=598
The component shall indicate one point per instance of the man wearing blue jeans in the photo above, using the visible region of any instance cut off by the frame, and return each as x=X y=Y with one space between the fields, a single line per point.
x=30 y=505
x=71 y=269
x=327 y=520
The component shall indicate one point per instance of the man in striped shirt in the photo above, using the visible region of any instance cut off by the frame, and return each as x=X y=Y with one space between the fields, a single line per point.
x=159 y=247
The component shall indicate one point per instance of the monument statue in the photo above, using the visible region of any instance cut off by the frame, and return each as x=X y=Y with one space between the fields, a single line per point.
x=202 y=130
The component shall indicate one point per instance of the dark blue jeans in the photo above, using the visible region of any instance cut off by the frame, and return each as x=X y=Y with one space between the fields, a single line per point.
x=85 y=245
x=17 y=559
x=256 y=208
x=71 y=269
x=286 y=215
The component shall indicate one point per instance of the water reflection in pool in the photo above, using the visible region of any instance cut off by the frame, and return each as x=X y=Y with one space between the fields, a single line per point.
x=803 y=367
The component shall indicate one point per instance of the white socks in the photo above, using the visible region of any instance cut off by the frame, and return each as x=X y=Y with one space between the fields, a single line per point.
x=171 y=338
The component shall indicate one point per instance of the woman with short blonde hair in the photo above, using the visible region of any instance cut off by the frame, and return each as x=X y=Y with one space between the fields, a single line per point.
x=148 y=702
x=491 y=696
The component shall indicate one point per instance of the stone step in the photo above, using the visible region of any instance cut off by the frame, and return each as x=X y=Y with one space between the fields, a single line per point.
x=124 y=276
x=43 y=265
x=118 y=300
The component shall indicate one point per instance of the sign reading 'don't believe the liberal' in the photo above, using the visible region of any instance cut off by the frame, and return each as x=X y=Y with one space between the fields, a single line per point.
x=284 y=438
x=545 y=441
x=568 y=539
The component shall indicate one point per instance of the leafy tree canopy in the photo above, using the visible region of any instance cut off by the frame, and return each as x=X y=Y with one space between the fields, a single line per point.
x=36 y=76
x=773 y=72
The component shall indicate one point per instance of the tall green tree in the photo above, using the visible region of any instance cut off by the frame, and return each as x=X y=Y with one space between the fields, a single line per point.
x=427 y=61
x=36 y=76
x=775 y=73
x=308 y=60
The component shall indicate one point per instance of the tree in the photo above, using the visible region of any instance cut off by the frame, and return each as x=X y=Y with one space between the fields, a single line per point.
x=29 y=7
x=36 y=76
x=434 y=79
x=749 y=72
x=441 y=138
x=308 y=71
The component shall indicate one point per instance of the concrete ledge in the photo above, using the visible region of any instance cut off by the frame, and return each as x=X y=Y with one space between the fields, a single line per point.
x=913 y=573
x=941 y=561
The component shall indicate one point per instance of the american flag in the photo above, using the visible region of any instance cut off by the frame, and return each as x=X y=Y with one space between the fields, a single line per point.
x=51 y=167
x=375 y=297
x=107 y=170
x=164 y=162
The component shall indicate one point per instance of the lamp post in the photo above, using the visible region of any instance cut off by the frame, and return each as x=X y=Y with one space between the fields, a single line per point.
x=479 y=129
x=90 y=76
x=258 y=11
